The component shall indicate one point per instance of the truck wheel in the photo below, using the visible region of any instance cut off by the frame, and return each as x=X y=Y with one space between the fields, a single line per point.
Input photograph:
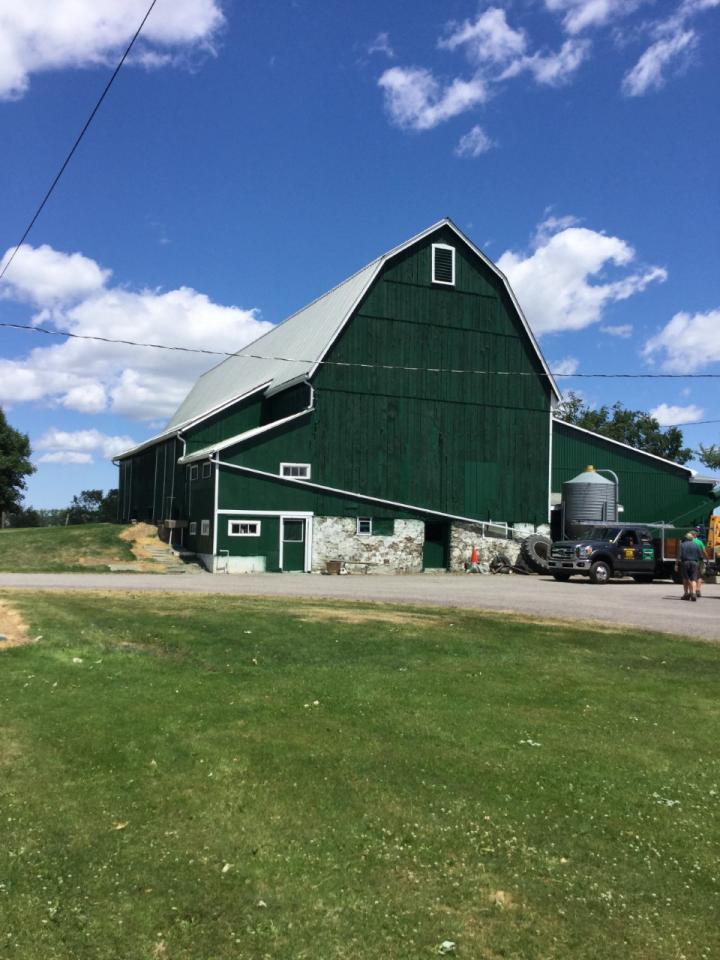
x=562 y=577
x=535 y=551
x=600 y=571
x=643 y=577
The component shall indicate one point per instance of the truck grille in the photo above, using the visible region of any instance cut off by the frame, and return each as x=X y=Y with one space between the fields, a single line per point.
x=562 y=553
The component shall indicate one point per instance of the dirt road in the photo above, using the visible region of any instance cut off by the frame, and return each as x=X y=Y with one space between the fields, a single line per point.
x=655 y=606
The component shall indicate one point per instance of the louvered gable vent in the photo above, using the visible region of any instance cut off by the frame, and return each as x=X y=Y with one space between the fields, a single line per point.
x=443 y=263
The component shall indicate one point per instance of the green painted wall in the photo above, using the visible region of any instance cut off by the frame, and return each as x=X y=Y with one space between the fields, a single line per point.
x=152 y=485
x=266 y=545
x=650 y=490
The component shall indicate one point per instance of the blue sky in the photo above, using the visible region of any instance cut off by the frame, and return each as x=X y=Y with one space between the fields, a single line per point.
x=253 y=155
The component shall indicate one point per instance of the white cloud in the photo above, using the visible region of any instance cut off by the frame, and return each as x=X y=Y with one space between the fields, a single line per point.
x=415 y=100
x=43 y=276
x=78 y=446
x=553 y=282
x=552 y=69
x=688 y=342
x=144 y=383
x=622 y=330
x=55 y=34
x=649 y=73
x=489 y=38
x=670 y=416
x=473 y=143
x=65 y=456
x=566 y=367
x=582 y=14
x=381 y=44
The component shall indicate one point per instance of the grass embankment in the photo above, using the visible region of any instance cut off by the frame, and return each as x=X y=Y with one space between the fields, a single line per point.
x=87 y=548
x=197 y=778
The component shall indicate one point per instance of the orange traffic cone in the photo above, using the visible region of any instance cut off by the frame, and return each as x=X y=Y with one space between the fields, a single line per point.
x=474 y=556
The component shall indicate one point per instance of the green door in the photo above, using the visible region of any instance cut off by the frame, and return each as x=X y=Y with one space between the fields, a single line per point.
x=293 y=544
x=435 y=548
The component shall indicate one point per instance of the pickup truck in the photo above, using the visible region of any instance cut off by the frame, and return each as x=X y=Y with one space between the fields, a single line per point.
x=608 y=550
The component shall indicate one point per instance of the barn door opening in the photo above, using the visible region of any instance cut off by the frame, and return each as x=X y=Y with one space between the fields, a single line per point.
x=435 y=548
x=292 y=546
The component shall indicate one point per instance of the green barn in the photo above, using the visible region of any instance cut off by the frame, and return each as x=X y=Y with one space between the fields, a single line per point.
x=391 y=424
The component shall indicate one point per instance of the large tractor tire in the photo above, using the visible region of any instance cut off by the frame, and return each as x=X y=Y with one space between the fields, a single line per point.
x=535 y=551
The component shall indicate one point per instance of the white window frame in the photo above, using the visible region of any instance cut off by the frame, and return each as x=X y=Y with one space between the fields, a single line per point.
x=192 y=529
x=204 y=528
x=304 y=466
x=246 y=523
x=443 y=246
x=363 y=533
x=206 y=470
x=194 y=471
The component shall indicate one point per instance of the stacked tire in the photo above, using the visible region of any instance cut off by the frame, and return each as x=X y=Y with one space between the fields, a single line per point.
x=535 y=553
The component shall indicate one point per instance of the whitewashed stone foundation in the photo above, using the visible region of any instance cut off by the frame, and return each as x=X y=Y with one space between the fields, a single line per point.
x=465 y=536
x=335 y=538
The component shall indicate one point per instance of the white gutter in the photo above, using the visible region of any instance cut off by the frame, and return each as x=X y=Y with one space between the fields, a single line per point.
x=248 y=434
x=358 y=496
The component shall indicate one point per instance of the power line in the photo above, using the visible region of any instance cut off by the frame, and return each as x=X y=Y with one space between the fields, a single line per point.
x=77 y=141
x=365 y=366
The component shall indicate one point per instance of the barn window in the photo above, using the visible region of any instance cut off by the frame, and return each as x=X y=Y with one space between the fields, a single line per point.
x=364 y=526
x=300 y=471
x=192 y=529
x=443 y=264
x=204 y=528
x=194 y=472
x=207 y=470
x=244 y=528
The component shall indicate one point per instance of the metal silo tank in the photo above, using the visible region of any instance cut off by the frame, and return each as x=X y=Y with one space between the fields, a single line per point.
x=589 y=498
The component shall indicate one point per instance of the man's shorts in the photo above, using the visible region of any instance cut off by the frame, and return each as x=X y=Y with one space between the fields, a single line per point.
x=690 y=569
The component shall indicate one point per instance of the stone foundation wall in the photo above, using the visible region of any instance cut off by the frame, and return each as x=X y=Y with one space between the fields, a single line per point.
x=335 y=538
x=464 y=536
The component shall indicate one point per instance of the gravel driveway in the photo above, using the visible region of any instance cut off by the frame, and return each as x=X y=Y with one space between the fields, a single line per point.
x=654 y=606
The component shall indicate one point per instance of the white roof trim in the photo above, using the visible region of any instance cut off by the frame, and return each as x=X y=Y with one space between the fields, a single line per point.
x=619 y=443
x=186 y=424
x=240 y=438
x=381 y=261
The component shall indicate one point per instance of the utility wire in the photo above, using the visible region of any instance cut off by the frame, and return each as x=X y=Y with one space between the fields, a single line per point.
x=364 y=366
x=77 y=141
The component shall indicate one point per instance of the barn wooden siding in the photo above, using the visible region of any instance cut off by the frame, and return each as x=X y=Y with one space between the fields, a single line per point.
x=650 y=490
x=467 y=444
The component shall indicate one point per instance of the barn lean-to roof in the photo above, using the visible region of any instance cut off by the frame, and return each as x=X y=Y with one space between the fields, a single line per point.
x=292 y=350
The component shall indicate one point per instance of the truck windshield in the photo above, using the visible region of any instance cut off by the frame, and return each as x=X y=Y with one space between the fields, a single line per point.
x=601 y=533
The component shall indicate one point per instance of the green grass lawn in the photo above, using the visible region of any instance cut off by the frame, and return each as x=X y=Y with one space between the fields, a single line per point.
x=205 y=778
x=87 y=547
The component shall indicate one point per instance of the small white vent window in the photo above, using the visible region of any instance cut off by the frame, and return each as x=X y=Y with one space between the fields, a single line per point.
x=204 y=528
x=207 y=470
x=364 y=526
x=443 y=264
x=192 y=529
x=194 y=472
x=299 y=471
x=244 y=528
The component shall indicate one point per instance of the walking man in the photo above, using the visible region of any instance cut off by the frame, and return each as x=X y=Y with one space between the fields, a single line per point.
x=689 y=557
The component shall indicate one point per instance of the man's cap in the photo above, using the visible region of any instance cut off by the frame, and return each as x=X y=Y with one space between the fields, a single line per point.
x=690 y=535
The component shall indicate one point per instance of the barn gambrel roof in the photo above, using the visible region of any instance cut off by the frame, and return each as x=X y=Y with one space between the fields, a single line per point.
x=292 y=351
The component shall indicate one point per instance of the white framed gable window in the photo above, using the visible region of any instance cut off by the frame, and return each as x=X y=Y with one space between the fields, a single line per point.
x=194 y=472
x=192 y=529
x=244 y=528
x=206 y=470
x=299 y=471
x=443 y=264
x=364 y=526
x=204 y=528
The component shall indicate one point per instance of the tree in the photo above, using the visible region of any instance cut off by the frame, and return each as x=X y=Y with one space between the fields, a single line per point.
x=634 y=427
x=15 y=466
x=710 y=456
x=91 y=506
